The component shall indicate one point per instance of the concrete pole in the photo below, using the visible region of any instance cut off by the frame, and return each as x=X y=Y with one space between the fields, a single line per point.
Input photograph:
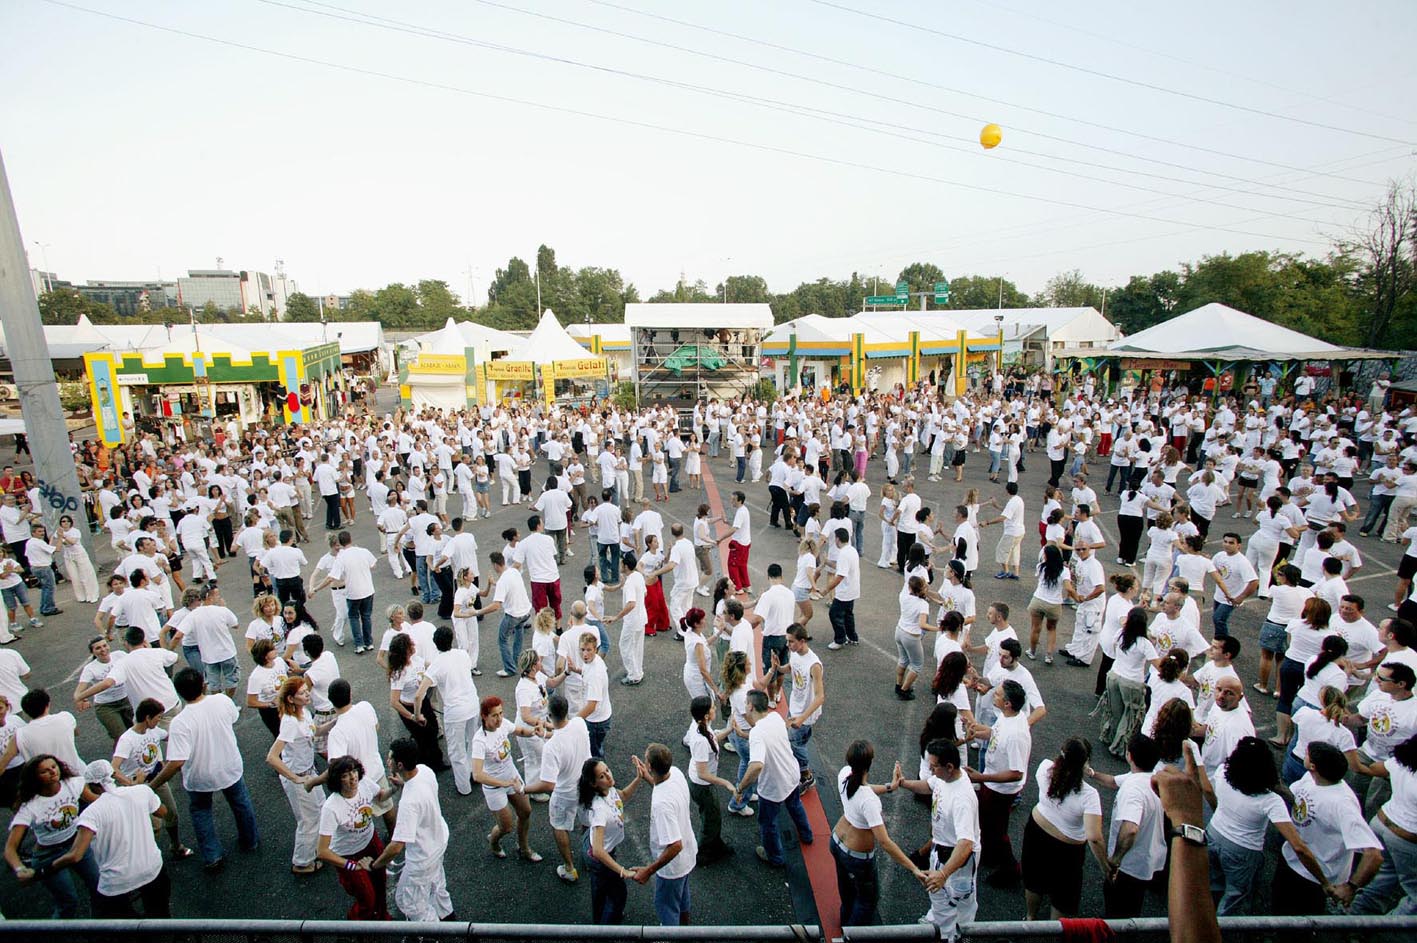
x=54 y=467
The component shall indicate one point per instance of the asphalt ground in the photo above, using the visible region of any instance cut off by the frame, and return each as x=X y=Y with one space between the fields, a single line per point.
x=739 y=890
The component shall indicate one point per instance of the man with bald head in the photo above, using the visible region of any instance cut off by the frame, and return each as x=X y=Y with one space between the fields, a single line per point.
x=1226 y=725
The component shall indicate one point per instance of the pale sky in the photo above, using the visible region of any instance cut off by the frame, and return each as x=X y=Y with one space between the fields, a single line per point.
x=134 y=151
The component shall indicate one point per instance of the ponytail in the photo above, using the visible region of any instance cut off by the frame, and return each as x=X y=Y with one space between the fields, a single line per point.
x=1335 y=704
x=858 y=757
x=1334 y=647
x=699 y=709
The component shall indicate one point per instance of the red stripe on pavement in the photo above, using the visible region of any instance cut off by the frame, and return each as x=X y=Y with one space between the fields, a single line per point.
x=821 y=869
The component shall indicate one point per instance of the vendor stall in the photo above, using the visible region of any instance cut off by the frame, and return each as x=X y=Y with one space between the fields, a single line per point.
x=196 y=377
x=448 y=370
x=566 y=373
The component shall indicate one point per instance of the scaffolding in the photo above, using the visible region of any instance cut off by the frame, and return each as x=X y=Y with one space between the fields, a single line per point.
x=683 y=353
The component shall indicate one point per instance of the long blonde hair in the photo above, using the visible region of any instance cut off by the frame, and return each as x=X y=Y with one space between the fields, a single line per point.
x=545 y=621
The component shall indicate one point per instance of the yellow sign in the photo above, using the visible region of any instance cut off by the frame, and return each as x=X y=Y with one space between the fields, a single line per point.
x=584 y=367
x=510 y=370
x=439 y=363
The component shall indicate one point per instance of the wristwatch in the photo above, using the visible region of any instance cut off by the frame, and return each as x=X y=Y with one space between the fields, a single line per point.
x=1192 y=834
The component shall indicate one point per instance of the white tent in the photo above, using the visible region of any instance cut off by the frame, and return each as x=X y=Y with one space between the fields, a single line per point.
x=454 y=337
x=1220 y=332
x=548 y=344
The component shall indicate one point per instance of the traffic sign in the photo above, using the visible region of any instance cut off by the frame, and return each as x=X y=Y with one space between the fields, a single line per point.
x=885 y=300
x=902 y=291
x=942 y=293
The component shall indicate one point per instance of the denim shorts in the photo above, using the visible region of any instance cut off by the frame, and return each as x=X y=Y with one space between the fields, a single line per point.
x=221 y=675
x=14 y=594
x=802 y=594
x=1274 y=638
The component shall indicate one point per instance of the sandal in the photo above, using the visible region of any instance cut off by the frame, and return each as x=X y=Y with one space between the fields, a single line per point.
x=1261 y=688
x=495 y=845
x=181 y=853
x=530 y=855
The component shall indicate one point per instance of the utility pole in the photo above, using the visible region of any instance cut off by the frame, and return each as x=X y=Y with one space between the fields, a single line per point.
x=54 y=467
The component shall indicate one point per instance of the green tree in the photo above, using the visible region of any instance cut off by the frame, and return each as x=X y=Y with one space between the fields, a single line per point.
x=744 y=289
x=1144 y=301
x=1387 y=249
x=436 y=303
x=301 y=307
x=922 y=277
x=1069 y=290
x=65 y=305
x=975 y=292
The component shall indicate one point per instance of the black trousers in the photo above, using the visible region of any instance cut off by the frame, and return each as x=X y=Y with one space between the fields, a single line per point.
x=903 y=543
x=155 y=896
x=332 y=520
x=1123 y=898
x=779 y=504
x=444 y=579
x=288 y=589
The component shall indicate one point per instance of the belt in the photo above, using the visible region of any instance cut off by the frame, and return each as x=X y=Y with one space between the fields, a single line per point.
x=863 y=855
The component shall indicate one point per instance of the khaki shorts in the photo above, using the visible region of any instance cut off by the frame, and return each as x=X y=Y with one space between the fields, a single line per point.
x=1007 y=552
x=1048 y=610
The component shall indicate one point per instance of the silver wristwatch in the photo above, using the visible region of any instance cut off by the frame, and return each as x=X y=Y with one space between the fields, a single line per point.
x=1188 y=833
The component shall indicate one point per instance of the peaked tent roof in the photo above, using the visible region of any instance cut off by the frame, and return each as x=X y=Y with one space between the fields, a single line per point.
x=548 y=343
x=1218 y=329
x=818 y=328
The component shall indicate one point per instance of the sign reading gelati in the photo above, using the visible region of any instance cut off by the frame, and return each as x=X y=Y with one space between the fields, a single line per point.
x=509 y=370
x=1146 y=363
x=439 y=363
x=585 y=366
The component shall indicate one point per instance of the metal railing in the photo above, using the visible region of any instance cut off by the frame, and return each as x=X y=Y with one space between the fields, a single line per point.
x=1284 y=929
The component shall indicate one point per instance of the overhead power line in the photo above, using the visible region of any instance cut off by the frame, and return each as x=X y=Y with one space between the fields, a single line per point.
x=1229 y=154
x=1098 y=73
x=665 y=129
x=857 y=122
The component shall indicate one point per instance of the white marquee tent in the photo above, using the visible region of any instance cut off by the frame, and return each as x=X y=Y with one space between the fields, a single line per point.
x=1219 y=332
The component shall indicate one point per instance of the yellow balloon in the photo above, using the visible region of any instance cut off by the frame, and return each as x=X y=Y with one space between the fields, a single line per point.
x=990 y=136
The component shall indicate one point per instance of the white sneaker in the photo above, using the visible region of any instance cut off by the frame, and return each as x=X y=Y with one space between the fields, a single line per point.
x=703 y=591
x=833 y=646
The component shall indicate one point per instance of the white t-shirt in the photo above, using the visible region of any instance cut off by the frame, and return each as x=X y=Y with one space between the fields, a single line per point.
x=349 y=823
x=1130 y=663
x=143 y=675
x=1137 y=803
x=862 y=810
x=420 y=825
x=597 y=688
x=768 y=744
x=608 y=812
x=494 y=749
x=1068 y=814
x=451 y=673
x=1223 y=730
x=563 y=756
x=52 y=819
x=1330 y=820
x=1010 y=743
x=202 y=735
x=356 y=734
x=355 y=567
x=670 y=822
x=123 y=844
x=1241 y=818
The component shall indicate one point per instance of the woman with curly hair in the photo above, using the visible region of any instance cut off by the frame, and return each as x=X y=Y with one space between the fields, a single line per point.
x=1246 y=803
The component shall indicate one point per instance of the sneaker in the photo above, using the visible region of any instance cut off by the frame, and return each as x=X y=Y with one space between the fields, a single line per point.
x=763 y=857
x=1392 y=605
x=36 y=623
x=835 y=646
x=853 y=641
x=905 y=694
x=570 y=553
x=1011 y=576
x=728 y=745
x=1001 y=575
x=1047 y=659
x=746 y=811
x=477 y=672
x=703 y=591
x=502 y=673
x=1032 y=655
x=1120 y=561
x=569 y=876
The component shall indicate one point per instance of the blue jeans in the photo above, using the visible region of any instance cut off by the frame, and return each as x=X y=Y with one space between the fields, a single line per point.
x=842 y=615
x=858 y=528
x=671 y=900
x=361 y=620
x=742 y=468
x=509 y=640
x=1377 y=513
x=427 y=589
x=607 y=892
x=1233 y=872
x=604 y=635
x=767 y=823
x=857 y=887
x=65 y=886
x=741 y=745
x=598 y=730
x=713 y=440
x=193 y=654
x=1396 y=880
x=1221 y=617
x=45 y=575
x=674 y=465
x=609 y=562
x=798 y=737
x=204 y=824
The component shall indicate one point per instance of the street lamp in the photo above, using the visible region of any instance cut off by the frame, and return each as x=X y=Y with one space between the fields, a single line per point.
x=48 y=274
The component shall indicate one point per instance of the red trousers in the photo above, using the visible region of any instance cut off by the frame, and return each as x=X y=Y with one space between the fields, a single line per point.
x=738 y=564
x=1104 y=445
x=368 y=888
x=547 y=594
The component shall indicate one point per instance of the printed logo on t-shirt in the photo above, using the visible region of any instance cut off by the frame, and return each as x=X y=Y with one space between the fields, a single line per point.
x=363 y=817
x=1303 y=812
x=1381 y=722
x=64 y=816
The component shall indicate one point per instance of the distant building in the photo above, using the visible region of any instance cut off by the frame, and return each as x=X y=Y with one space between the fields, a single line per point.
x=247 y=292
x=332 y=302
x=130 y=298
x=46 y=281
